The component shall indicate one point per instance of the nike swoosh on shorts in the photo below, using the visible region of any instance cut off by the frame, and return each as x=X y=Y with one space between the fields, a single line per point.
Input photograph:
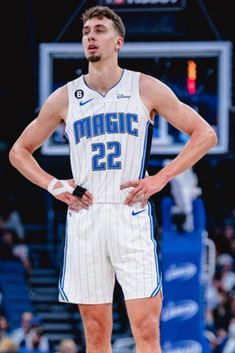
x=134 y=213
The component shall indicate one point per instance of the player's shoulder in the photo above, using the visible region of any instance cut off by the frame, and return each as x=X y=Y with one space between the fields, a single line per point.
x=154 y=92
x=56 y=104
x=144 y=79
x=75 y=82
x=59 y=96
x=152 y=85
x=149 y=81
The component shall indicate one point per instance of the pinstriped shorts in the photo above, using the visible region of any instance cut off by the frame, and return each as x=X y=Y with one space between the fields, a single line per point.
x=105 y=241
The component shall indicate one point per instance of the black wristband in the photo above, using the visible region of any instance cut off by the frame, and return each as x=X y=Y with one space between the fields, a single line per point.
x=79 y=191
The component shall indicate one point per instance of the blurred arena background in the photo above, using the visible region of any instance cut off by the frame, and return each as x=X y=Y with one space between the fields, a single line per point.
x=189 y=45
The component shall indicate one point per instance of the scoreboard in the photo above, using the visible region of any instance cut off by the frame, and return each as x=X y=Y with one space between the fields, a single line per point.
x=144 y=5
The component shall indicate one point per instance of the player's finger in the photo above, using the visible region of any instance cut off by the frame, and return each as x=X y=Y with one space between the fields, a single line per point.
x=75 y=201
x=144 y=202
x=138 y=197
x=79 y=206
x=75 y=208
x=84 y=200
x=85 y=204
x=133 y=198
x=133 y=183
x=133 y=193
x=88 y=197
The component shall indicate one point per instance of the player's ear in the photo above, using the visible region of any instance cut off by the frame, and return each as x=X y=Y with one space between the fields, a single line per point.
x=119 y=43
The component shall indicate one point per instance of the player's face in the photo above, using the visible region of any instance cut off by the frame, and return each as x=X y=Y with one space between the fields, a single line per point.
x=100 y=39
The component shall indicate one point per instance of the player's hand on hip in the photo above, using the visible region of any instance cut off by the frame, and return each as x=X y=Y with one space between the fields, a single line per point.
x=142 y=190
x=73 y=195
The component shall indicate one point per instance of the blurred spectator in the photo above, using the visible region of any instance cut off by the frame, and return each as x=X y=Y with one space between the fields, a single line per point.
x=2 y=223
x=212 y=339
x=184 y=189
x=20 y=334
x=209 y=321
x=232 y=305
x=30 y=336
x=8 y=238
x=67 y=346
x=37 y=342
x=229 y=346
x=220 y=295
x=37 y=338
x=222 y=337
x=229 y=231
x=232 y=248
x=1 y=299
x=227 y=273
x=12 y=248
x=11 y=216
x=225 y=238
x=212 y=295
x=8 y=346
x=221 y=313
x=4 y=327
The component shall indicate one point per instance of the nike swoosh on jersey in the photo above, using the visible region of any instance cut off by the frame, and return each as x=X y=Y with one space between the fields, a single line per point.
x=83 y=103
x=135 y=213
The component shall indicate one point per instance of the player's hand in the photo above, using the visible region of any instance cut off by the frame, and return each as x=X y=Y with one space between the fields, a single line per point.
x=143 y=189
x=74 y=202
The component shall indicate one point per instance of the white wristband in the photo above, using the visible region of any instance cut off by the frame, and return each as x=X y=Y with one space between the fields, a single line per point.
x=60 y=190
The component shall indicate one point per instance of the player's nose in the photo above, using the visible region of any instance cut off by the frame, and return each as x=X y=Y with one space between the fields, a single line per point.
x=91 y=36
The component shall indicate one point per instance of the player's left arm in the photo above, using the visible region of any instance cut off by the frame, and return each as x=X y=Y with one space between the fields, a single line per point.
x=160 y=98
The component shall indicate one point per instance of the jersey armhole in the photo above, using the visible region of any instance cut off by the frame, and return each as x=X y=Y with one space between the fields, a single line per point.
x=69 y=110
x=147 y=114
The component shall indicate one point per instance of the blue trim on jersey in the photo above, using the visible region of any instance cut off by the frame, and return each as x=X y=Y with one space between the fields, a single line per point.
x=66 y=136
x=156 y=290
x=62 y=276
x=152 y=228
x=104 y=95
x=144 y=152
x=63 y=295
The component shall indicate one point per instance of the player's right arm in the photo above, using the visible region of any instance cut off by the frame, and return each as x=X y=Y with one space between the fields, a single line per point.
x=52 y=113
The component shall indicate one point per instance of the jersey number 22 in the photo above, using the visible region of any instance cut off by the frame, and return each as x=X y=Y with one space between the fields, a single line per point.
x=105 y=156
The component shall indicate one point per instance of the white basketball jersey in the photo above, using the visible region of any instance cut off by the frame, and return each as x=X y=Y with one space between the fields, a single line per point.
x=108 y=136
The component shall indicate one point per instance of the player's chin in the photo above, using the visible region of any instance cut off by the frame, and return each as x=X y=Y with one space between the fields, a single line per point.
x=93 y=58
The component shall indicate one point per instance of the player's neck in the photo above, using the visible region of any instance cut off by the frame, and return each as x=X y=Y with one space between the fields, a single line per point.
x=103 y=78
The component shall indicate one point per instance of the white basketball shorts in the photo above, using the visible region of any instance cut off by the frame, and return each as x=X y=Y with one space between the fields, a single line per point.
x=105 y=241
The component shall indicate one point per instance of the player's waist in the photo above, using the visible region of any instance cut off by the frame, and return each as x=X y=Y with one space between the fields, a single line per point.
x=105 y=194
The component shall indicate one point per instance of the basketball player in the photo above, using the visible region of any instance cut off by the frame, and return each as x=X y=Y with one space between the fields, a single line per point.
x=110 y=222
